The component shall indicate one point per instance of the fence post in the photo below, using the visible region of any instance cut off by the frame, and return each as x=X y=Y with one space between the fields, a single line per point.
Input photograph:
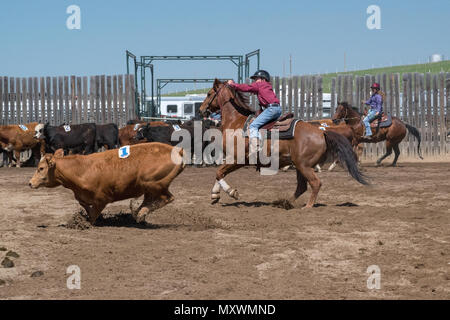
x=333 y=97
x=320 y=96
x=435 y=115
x=443 y=133
x=314 y=97
x=295 y=89
x=18 y=102
x=302 y=96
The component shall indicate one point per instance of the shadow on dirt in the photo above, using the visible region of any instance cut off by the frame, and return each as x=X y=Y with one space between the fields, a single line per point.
x=79 y=221
x=347 y=204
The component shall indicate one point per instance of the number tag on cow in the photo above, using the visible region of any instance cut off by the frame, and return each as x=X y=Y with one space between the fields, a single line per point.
x=136 y=126
x=176 y=127
x=67 y=128
x=23 y=127
x=124 y=152
x=322 y=128
x=324 y=124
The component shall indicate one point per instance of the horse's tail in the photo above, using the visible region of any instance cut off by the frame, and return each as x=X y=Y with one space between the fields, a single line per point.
x=340 y=147
x=416 y=134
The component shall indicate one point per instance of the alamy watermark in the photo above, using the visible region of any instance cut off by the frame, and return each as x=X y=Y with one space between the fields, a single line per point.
x=73 y=22
x=374 y=280
x=208 y=148
x=74 y=280
x=374 y=20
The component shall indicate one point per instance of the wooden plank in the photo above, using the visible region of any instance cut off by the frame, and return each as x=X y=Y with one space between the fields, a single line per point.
x=435 y=115
x=405 y=103
x=314 y=97
x=333 y=97
x=30 y=100
x=127 y=100
x=85 y=100
x=60 y=100
x=35 y=86
x=48 y=97
x=12 y=101
x=308 y=97
x=442 y=132
x=114 y=102
x=283 y=95
x=390 y=107
x=350 y=89
x=397 y=94
x=67 y=108
x=410 y=117
x=55 y=111
x=121 y=106
x=339 y=89
x=302 y=96
x=103 y=99
x=108 y=99
x=24 y=101
x=429 y=115
x=290 y=98
x=43 y=115
x=79 y=101
x=18 y=102
x=6 y=100
x=320 y=96
x=132 y=97
x=295 y=83
x=73 y=93
x=422 y=110
x=361 y=93
x=385 y=88
x=92 y=111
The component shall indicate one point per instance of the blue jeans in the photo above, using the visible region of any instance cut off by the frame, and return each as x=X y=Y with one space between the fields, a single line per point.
x=269 y=114
x=371 y=115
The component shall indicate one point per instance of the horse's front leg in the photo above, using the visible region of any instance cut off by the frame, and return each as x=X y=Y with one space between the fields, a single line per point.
x=224 y=170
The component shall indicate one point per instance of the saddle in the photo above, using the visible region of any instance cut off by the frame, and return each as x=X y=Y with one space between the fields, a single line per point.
x=285 y=125
x=385 y=120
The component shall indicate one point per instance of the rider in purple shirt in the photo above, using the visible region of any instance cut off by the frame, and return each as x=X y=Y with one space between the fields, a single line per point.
x=376 y=108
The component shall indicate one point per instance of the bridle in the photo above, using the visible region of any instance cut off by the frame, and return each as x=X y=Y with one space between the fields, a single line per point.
x=346 y=113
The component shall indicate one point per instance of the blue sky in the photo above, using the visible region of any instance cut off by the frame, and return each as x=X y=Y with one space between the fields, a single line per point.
x=35 y=41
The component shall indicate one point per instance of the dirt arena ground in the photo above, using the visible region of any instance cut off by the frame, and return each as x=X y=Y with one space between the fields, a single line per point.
x=245 y=249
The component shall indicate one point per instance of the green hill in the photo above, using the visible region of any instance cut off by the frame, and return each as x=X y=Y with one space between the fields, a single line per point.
x=436 y=67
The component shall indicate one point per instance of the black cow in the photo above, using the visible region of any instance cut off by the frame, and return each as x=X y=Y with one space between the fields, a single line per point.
x=107 y=136
x=81 y=138
x=164 y=134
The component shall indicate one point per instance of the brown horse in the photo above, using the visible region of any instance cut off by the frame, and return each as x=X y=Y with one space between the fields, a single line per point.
x=393 y=134
x=309 y=146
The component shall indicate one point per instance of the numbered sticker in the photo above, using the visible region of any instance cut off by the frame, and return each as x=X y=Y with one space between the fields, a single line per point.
x=23 y=127
x=176 y=127
x=67 y=128
x=322 y=128
x=136 y=126
x=324 y=124
x=124 y=152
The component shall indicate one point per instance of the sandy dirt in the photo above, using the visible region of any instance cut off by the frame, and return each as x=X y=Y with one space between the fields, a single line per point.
x=252 y=248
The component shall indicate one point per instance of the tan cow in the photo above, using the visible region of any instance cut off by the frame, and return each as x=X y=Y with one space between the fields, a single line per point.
x=18 y=138
x=101 y=178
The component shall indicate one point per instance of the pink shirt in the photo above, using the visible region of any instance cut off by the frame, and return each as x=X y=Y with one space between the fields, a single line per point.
x=263 y=89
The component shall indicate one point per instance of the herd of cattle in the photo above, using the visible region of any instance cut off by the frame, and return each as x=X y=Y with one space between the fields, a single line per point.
x=85 y=138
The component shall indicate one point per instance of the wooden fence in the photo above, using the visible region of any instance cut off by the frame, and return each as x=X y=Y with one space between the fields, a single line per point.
x=57 y=100
x=421 y=100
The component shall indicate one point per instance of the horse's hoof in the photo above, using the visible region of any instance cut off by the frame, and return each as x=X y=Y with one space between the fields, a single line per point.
x=215 y=200
x=234 y=194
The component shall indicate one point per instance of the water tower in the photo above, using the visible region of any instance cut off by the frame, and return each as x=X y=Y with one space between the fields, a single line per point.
x=436 y=57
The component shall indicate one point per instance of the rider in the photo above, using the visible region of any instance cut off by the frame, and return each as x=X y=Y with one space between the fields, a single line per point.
x=267 y=99
x=376 y=107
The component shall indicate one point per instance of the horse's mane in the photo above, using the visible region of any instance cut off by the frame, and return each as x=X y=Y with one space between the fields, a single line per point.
x=241 y=99
x=347 y=105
